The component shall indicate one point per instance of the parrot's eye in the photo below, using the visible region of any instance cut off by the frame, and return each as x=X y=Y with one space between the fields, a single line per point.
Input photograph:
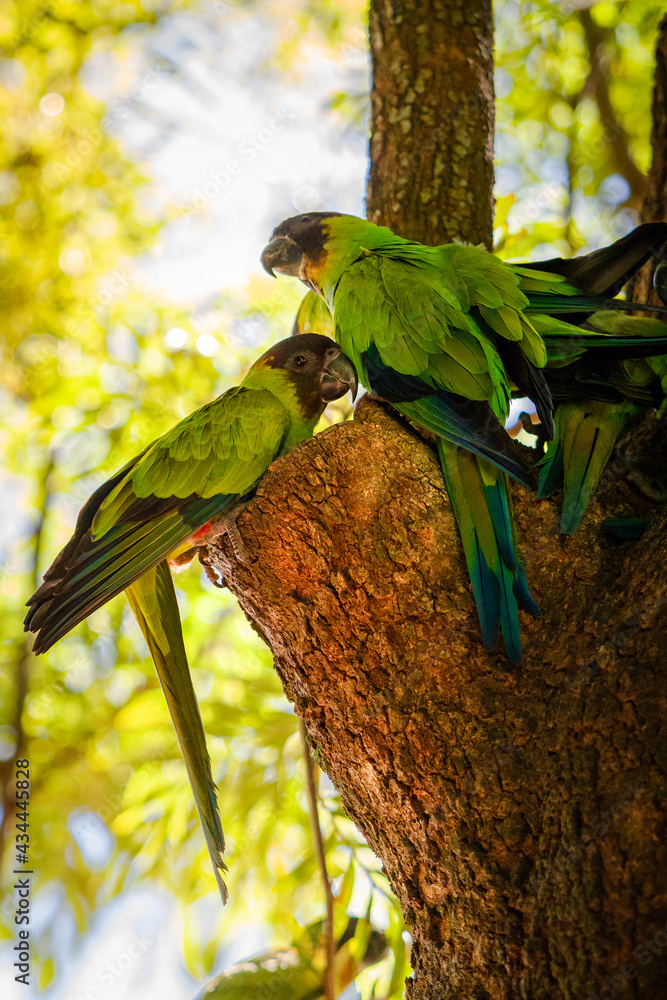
x=300 y=360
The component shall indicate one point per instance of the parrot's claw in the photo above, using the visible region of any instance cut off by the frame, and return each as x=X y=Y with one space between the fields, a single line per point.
x=234 y=536
x=212 y=574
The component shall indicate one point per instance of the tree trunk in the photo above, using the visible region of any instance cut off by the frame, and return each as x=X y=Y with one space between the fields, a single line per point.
x=518 y=812
x=654 y=208
x=432 y=117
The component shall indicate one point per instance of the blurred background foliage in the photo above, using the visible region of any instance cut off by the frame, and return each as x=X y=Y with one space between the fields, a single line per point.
x=102 y=350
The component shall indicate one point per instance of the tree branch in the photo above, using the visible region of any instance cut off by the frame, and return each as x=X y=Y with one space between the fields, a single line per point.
x=597 y=85
x=318 y=844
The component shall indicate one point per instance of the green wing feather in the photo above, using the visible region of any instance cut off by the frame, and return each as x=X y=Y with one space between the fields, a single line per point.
x=602 y=378
x=422 y=327
x=438 y=314
x=605 y=271
x=598 y=393
x=194 y=473
x=598 y=397
x=313 y=316
x=153 y=601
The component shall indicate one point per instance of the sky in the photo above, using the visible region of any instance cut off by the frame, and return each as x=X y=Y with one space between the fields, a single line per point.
x=233 y=145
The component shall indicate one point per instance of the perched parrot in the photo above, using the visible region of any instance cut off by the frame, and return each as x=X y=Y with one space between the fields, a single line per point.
x=435 y=331
x=603 y=374
x=444 y=333
x=603 y=377
x=182 y=490
x=596 y=398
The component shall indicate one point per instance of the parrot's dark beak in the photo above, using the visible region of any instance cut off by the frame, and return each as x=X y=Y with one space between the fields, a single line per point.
x=337 y=378
x=282 y=254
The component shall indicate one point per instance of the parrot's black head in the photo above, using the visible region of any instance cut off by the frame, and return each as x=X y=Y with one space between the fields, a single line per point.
x=302 y=236
x=317 y=368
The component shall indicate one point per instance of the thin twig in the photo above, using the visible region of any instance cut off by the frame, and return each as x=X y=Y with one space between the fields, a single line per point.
x=328 y=926
x=597 y=85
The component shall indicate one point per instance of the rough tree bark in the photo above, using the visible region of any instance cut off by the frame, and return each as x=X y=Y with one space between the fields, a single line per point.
x=519 y=812
x=432 y=118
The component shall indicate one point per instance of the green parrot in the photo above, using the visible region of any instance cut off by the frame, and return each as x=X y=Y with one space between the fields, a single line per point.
x=597 y=397
x=180 y=492
x=602 y=378
x=435 y=330
x=444 y=333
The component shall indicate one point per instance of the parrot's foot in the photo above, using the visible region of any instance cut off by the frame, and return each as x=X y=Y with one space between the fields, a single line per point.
x=212 y=574
x=234 y=536
x=214 y=529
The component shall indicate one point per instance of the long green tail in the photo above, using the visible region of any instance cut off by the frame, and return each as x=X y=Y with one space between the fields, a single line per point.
x=482 y=505
x=586 y=432
x=153 y=601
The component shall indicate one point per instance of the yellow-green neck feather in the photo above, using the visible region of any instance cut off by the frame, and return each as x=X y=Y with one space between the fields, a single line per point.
x=303 y=413
x=346 y=238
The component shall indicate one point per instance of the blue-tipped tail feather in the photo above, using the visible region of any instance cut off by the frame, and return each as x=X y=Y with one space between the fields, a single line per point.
x=483 y=509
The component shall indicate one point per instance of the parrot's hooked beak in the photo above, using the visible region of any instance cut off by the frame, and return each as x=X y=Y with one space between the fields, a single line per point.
x=337 y=377
x=282 y=254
